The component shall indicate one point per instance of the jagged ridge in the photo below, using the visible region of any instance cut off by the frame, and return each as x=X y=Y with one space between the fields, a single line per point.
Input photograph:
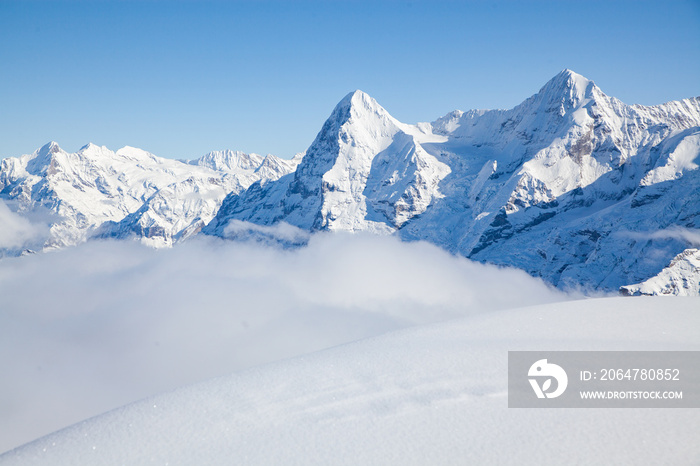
x=571 y=185
x=553 y=186
x=127 y=193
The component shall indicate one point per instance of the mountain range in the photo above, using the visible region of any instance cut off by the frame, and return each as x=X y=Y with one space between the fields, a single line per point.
x=572 y=186
x=128 y=193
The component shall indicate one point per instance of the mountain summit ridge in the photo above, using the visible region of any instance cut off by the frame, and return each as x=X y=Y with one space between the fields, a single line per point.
x=127 y=193
x=533 y=187
x=570 y=185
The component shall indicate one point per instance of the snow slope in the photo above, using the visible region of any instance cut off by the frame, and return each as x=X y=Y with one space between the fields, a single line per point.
x=551 y=186
x=680 y=278
x=130 y=192
x=434 y=394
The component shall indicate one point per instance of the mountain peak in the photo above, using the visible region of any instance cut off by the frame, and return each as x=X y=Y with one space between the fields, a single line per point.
x=42 y=158
x=357 y=104
x=225 y=160
x=355 y=97
x=88 y=146
x=356 y=108
x=50 y=148
x=570 y=74
x=565 y=91
x=568 y=84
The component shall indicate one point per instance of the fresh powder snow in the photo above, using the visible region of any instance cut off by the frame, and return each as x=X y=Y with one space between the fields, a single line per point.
x=434 y=394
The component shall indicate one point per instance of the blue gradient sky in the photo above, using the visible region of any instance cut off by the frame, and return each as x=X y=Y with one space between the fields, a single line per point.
x=182 y=78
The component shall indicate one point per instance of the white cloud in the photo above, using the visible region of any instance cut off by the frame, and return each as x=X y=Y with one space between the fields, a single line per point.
x=15 y=230
x=87 y=329
x=688 y=235
x=280 y=233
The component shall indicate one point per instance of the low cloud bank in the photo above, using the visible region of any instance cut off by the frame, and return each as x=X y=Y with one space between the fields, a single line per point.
x=279 y=234
x=86 y=329
x=17 y=231
x=691 y=236
x=688 y=235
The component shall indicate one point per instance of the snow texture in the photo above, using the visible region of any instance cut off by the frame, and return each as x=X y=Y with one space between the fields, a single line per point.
x=433 y=394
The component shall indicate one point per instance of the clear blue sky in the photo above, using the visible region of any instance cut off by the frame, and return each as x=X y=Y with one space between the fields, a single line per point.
x=182 y=78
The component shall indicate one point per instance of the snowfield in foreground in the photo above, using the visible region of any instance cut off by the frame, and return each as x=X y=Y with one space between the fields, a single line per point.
x=432 y=394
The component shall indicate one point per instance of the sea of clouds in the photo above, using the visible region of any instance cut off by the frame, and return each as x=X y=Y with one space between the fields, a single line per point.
x=87 y=329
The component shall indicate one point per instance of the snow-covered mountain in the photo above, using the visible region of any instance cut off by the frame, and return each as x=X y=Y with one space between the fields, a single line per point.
x=680 y=278
x=571 y=185
x=130 y=192
x=366 y=171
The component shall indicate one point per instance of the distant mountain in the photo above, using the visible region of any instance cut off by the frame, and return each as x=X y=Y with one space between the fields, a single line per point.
x=128 y=193
x=570 y=185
